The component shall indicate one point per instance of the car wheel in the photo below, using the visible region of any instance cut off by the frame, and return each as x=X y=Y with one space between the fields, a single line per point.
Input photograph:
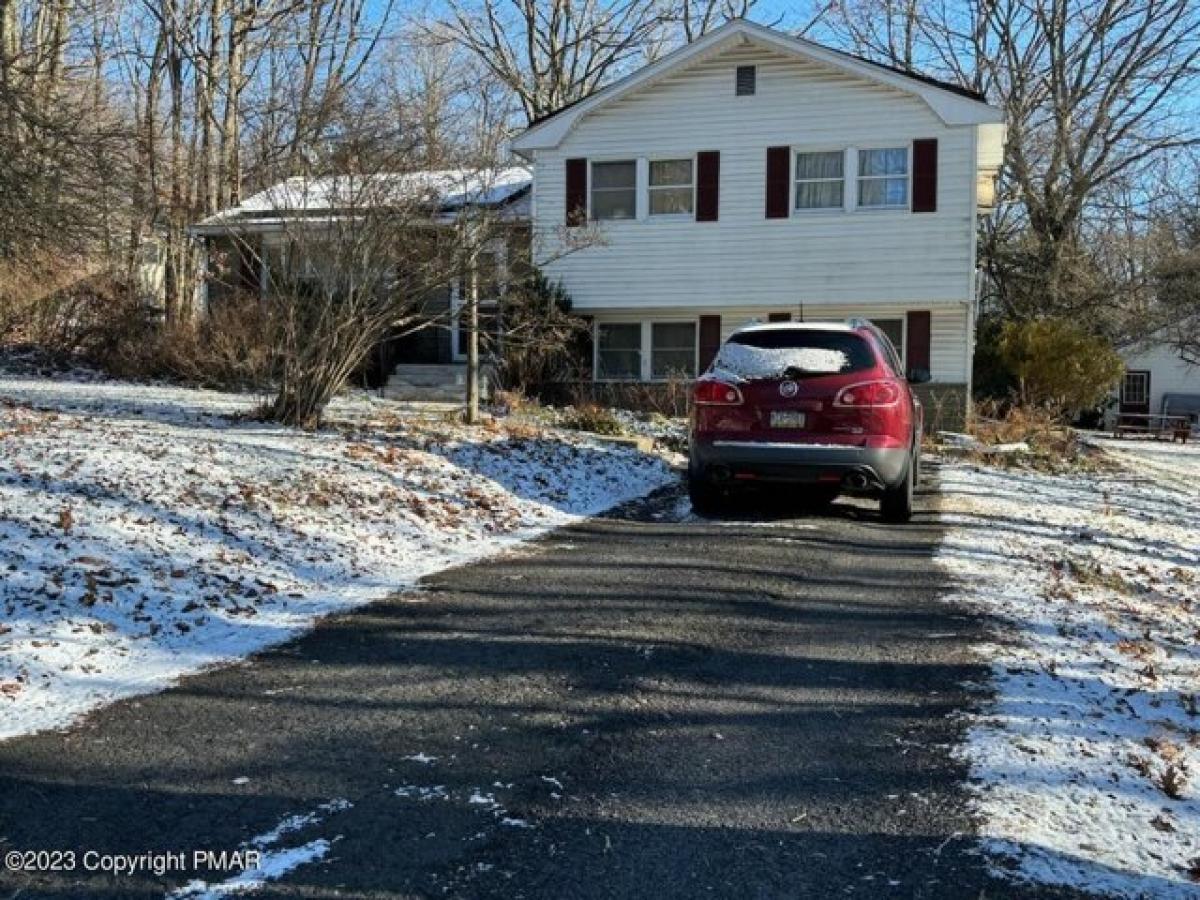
x=897 y=502
x=706 y=499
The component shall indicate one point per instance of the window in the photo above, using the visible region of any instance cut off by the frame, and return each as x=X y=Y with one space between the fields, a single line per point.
x=673 y=349
x=808 y=350
x=746 y=78
x=1135 y=389
x=820 y=183
x=883 y=178
x=614 y=190
x=894 y=329
x=671 y=187
x=619 y=350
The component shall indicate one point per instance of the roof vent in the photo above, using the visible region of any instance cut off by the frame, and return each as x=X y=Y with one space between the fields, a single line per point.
x=746 y=76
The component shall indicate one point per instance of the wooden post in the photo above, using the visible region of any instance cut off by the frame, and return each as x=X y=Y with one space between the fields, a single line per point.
x=473 y=342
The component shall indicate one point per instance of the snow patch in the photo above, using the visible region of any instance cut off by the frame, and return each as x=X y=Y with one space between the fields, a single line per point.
x=1087 y=762
x=144 y=534
x=741 y=361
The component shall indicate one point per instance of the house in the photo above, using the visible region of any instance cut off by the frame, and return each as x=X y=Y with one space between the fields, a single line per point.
x=752 y=175
x=245 y=247
x=1157 y=380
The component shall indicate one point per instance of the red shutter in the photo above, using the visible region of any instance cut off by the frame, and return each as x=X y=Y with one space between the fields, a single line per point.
x=708 y=185
x=576 y=192
x=710 y=339
x=779 y=317
x=778 y=182
x=916 y=339
x=924 y=196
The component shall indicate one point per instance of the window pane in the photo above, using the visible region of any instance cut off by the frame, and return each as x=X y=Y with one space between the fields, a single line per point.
x=623 y=336
x=664 y=201
x=614 y=204
x=619 y=364
x=805 y=348
x=883 y=192
x=614 y=174
x=673 y=336
x=673 y=364
x=820 y=165
x=673 y=349
x=670 y=171
x=819 y=194
x=893 y=161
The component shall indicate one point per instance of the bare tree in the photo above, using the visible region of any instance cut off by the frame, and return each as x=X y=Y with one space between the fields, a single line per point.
x=554 y=52
x=1094 y=90
x=363 y=258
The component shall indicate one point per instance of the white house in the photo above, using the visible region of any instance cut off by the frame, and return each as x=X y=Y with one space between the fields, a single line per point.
x=753 y=175
x=1158 y=380
x=247 y=247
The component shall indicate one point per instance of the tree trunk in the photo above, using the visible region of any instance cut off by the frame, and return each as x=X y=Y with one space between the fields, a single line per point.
x=473 y=345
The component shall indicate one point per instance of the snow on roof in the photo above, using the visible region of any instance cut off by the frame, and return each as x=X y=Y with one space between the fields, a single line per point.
x=443 y=189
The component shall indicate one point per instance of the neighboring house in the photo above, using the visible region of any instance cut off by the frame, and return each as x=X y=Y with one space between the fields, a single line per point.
x=1157 y=380
x=755 y=176
x=243 y=245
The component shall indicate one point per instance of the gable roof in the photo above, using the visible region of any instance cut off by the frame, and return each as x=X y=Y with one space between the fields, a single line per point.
x=954 y=105
x=444 y=191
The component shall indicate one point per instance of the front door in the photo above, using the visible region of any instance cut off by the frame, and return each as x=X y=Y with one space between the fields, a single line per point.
x=1135 y=392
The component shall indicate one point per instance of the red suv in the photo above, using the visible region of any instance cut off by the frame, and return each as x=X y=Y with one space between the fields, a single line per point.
x=824 y=405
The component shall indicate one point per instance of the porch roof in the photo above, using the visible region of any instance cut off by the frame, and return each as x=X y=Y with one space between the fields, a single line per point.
x=445 y=192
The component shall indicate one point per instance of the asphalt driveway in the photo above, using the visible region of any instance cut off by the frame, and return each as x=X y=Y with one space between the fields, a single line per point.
x=647 y=705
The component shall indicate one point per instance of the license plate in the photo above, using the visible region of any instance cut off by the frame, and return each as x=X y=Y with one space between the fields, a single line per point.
x=787 y=419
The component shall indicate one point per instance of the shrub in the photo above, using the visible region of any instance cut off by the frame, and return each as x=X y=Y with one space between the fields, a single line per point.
x=593 y=418
x=1058 y=365
x=543 y=341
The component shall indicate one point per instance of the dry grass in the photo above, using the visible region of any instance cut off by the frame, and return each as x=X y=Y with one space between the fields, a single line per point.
x=1052 y=446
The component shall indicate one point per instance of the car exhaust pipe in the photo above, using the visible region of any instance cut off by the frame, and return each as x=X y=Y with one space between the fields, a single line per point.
x=857 y=481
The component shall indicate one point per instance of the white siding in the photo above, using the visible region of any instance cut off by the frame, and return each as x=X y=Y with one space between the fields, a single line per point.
x=821 y=258
x=948 y=323
x=1168 y=373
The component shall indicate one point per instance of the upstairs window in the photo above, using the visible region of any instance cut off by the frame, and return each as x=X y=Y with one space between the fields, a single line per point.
x=820 y=180
x=614 y=190
x=883 y=178
x=672 y=187
x=745 y=80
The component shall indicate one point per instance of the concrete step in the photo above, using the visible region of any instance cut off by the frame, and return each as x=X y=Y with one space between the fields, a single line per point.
x=424 y=393
x=430 y=375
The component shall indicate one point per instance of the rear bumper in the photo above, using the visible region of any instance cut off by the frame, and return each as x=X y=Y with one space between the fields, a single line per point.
x=751 y=461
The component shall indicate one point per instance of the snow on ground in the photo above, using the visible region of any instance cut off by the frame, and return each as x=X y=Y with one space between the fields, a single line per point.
x=144 y=535
x=1087 y=762
x=1160 y=459
x=271 y=861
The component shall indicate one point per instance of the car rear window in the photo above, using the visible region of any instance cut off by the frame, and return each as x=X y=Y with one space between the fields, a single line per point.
x=775 y=353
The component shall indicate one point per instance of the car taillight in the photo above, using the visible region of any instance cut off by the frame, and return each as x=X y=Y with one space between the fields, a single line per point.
x=869 y=393
x=709 y=392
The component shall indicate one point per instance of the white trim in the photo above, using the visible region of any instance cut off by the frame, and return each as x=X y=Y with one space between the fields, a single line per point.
x=952 y=108
x=798 y=149
x=667 y=157
x=646 y=346
x=908 y=165
x=638 y=166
